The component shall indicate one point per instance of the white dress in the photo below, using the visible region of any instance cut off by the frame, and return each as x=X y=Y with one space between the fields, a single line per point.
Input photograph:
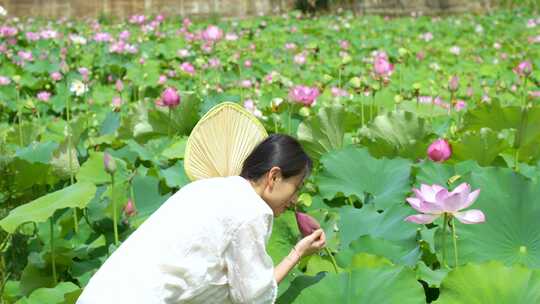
x=205 y=244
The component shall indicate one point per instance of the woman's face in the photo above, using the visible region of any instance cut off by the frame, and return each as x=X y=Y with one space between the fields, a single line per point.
x=281 y=193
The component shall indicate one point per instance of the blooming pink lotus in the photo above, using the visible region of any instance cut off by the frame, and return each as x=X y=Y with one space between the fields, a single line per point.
x=44 y=96
x=382 y=66
x=212 y=33
x=306 y=224
x=170 y=97
x=435 y=200
x=188 y=68
x=524 y=68
x=304 y=94
x=439 y=151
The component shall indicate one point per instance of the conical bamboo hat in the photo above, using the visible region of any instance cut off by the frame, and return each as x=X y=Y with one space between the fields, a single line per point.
x=221 y=141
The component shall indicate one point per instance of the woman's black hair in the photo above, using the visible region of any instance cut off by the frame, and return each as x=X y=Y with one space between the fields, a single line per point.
x=277 y=150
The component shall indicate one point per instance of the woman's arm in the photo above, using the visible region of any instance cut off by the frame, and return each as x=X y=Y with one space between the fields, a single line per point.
x=306 y=246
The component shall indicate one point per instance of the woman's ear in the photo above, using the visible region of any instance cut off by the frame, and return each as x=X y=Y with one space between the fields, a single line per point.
x=274 y=175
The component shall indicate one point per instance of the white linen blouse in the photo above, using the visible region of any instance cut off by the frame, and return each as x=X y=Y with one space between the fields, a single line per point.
x=205 y=244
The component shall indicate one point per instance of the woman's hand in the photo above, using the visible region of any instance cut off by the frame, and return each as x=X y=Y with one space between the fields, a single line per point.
x=306 y=246
x=311 y=243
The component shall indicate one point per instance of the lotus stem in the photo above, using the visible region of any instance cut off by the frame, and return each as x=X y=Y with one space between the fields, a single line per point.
x=339 y=78
x=19 y=116
x=290 y=114
x=53 y=260
x=362 y=110
x=445 y=220
x=332 y=259
x=70 y=160
x=455 y=241
x=114 y=212
x=372 y=105
x=170 y=122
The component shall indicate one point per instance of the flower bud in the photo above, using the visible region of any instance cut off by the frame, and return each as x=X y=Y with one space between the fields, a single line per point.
x=306 y=224
x=439 y=150
x=109 y=163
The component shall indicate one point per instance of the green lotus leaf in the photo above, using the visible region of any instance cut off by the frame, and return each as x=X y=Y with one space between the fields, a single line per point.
x=39 y=210
x=483 y=146
x=490 y=283
x=324 y=132
x=387 y=284
x=353 y=171
x=397 y=133
x=54 y=295
x=511 y=234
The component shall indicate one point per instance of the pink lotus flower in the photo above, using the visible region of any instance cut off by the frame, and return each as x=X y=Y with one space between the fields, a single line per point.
x=124 y=35
x=382 y=66
x=49 y=34
x=439 y=150
x=212 y=33
x=137 y=19
x=344 y=44
x=8 y=31
x=187 y=22
x=249 y=104
x=534 y=94
x=460 y=105
x=84 y=73
x=170 y=97
x=290 y=46
x=56 y=76
x=26 y=56
x=102 y=37
x=304 y=94
x=246 y=83
x=453 y=84
x=231 y=37
x=248 y=63
x=116 y=102
x=182 y=53
x=306 y=224
x=300 y=59
x=524 y=68
x=44 y=96
x=427 y=37
x=162 y=79
x=214 y=62
x=31 y=36
x=337 y=92
x=119 y=85
x=4 y=80
x=188 y=68
x=435 y=200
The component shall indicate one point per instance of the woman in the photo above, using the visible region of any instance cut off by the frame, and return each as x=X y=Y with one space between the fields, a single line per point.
x=207 y=243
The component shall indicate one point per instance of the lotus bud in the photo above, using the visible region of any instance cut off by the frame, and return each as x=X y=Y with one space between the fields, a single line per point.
x=170 y=97
x=306 y=224
x=453 y=84
x=129 y=208
x=109 y=163
x=439 y=150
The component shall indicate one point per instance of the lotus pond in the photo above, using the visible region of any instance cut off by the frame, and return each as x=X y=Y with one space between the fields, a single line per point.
x=425 y=132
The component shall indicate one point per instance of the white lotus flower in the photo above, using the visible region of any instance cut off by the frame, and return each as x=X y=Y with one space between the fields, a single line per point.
x=3 y=11
x=78 y=87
